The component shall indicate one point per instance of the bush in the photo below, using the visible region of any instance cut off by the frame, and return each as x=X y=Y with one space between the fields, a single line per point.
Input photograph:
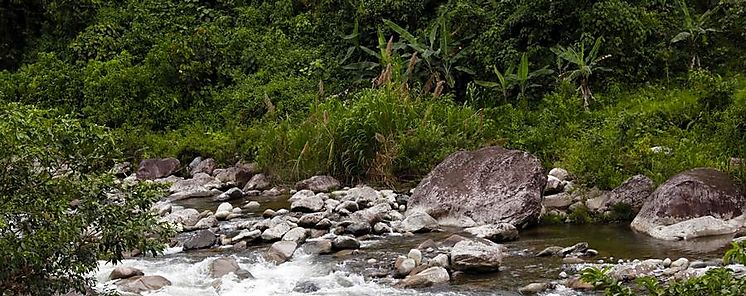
x=60 y=215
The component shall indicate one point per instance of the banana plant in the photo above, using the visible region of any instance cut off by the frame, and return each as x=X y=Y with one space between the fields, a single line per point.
x=583 y=64
x=510 y=78
x=694 y=31
x=442 y=54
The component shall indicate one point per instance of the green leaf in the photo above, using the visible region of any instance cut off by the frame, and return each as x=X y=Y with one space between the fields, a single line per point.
x=681 y=36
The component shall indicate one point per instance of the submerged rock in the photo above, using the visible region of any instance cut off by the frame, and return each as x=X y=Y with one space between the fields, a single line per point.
x=695 y=203
x=490 y=185
x=225 y=265
x=305 y=287
x=345 y=242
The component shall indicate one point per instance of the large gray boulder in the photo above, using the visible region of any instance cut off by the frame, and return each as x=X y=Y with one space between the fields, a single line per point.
x=139 y=284
x=155 y=168
x=318 y=184
x=258 y=182
x=490 y=185
x=695 y=203
x=473 y=256
x=308 y=204
x=184 y=217
x=206 y=166
x=418 y=222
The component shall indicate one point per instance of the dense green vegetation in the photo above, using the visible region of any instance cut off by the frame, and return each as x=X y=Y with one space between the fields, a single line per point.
x=366 y=90
x=716 y=281
x=382 y=90
x=59 y=215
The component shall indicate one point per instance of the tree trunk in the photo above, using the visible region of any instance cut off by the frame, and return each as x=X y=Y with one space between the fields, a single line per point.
x=585 y=91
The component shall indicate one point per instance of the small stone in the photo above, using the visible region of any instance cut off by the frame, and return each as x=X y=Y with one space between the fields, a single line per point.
x=682 y=263
x=269 y=213
x=415 y=255
x=381 y=228
x=252 y=206
x=440 y=260
x=533 y=288
x=405 y=267
x=667 y=262
x=372 y=261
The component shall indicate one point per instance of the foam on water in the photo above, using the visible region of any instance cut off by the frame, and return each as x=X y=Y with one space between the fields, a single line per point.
x=190 y=278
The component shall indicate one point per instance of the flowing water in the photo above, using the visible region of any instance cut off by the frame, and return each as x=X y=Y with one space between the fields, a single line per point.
x=354 y=275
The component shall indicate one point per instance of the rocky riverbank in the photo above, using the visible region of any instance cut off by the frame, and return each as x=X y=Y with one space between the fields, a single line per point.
x=489 y=195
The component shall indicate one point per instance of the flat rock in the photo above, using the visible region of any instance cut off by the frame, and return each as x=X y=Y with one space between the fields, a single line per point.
x=308 y=204
x=472 y=256
x=418 y=222
x=429 y=277
x=140 y=284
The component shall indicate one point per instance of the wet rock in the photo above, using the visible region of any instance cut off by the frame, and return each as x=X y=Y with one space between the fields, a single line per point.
x=297 y=235
x=550 y=251
x=308 y=204
x=502 y=232
x=324 y=224
x=151 y=169
x=122 y=272
x=239 y=174
x=381 y=228
x=559 y=173
x=318 y=184
x=281 y=251
x=628 y=272
x=225 y=265
x=576 y=248
x=429 y=243
x=258 y=182
x=358 y=228
x=247 y=235
x=231 y=194
x=305 y=287
x=472 y=256
x=276 y=232
x=200 y=240
x=418 y=222
x=140 y=284
x=317 y=246
x=345 y=242
x=695 y=203
x=427 y=278
x=490 y=185
x=534 y=288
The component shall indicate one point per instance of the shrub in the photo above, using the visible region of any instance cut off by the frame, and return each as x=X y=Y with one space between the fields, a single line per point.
x=60 y=215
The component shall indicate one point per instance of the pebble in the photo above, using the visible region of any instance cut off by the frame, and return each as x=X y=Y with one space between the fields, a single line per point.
x=667 y=262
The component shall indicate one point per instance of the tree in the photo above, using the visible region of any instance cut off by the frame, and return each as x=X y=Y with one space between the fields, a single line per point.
x=583 y=64
x=59 y=213
x=694 y=30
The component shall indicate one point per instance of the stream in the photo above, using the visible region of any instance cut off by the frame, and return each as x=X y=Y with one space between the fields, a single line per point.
x=357 y=274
